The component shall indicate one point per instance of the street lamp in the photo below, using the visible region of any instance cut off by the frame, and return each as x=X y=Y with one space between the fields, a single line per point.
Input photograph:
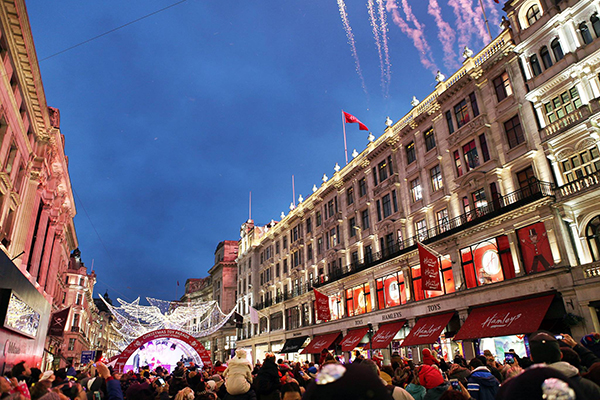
x=370 y=332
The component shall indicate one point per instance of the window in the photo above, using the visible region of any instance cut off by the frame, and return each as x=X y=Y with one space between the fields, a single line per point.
x=362 y=187
x=11 y=158
x=382 y=167
x=285 y=266
x=391 y=290
x=466 y=206
x=471 y=156
x=358 y=300
x=387 y=205
x=585 y=33
x=71 y=344
x=487 y=262
x=309 y=252
x=442 y=220
x=502 y=86
x=479 y=198
x=394 y=201
x=329 y=209
x=562 y=105
x=535 y=65
x=379 y=218
x=308 y=226
x=557 y=50
x=533 y=14
x=76 y=320
x=474 y=106
x=592 y=234
x=411 y=155
x=350 y=195
x=595 y=24
x=484 y=148
x=579 y=165
x=368 y=254
x=285 y=242
x=429 y=139
x=458 y=163
x=449 y=122
x=277 y=271
x=415 y=190
x=461 y=113
x=365 y=219
x=436 y=178
x=374 y=176
x=514 y=133
x=277 y=247
x=318 y=217
x=421 y=229
x=351 y=226
x=389 y=242
x=78 y=301
x=546 y=59
x=320 y=245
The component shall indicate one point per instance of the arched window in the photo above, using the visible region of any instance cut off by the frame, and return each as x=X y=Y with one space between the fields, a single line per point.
x=595 y=24
x=533 y=14
x=557 y=50
x=586 y=36
x=535 y=65
x=546 y=59
x=592 y=234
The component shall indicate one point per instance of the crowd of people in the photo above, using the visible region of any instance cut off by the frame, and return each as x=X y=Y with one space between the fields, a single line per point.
x=558 y=369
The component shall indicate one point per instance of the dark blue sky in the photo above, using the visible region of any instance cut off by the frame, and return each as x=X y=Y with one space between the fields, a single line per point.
x=170 y=122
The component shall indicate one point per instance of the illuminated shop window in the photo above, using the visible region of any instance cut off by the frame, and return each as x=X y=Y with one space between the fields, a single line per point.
x=358 y=300
x=391 y=291
x=336 y=306
x=487 y=262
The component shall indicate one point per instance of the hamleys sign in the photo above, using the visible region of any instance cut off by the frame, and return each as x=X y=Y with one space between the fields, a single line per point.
x=500 y=321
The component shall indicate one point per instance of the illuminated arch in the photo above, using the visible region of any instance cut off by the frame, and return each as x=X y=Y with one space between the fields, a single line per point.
x=163 y=334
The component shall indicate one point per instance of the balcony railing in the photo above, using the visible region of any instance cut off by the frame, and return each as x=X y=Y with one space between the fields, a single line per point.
x=565 y=123
x=580 y=185
x=500 y=205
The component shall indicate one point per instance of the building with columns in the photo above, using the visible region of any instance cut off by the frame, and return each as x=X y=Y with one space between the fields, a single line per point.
x=36 y=200
x=495 y=172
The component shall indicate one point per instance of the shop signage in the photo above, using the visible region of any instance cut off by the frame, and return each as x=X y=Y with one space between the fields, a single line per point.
x=427 y=330
x=297 y=334
x=500 y=321
x=358 y=322
x=430 y=269
x=394 y=315
x=322 y=303
x=434 y=307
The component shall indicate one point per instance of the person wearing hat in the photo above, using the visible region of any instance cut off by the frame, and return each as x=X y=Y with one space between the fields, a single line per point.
x=397 y=392
x=267 y=382
x=540 y=382
x=429 y=358
x=431 y=378
x=545 y=349
x=481 y=384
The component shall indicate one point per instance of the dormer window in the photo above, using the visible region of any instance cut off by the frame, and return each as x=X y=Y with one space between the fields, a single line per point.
x=533 y=14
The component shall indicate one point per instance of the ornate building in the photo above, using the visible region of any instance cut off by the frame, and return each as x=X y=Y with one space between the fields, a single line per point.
x=495 y=171
x=36 y=200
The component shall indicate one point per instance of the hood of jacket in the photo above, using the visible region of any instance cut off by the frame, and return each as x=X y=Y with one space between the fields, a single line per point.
x=565 y=368
x=483 y=377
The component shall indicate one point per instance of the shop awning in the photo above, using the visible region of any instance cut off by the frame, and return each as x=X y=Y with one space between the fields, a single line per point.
x=292 y=345
x=385 y=334
x=514 y=318
x=353 y=338
x=427 y=329
x=320 y=342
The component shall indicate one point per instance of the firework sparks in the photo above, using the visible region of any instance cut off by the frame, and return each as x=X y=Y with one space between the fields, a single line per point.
x=351 y=42
x=375 y=28
x=446 y=34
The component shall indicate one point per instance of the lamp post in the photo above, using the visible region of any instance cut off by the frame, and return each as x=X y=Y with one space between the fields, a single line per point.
x=370 y=326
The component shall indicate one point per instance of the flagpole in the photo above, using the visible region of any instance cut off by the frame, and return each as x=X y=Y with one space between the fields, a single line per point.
x=485 y=19
x=293 y=192
x=345 y=146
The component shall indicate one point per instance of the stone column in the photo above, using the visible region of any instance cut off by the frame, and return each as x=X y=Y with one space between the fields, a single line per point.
x=540 y=114
x=513 y=241
x=39 y=243
x=563 y=240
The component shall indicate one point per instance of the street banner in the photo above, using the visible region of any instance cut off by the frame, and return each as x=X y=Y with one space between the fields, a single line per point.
x=430 y=269
x=58 y=322
x=322 y=302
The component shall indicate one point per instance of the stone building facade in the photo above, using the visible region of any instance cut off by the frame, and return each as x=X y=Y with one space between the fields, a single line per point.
x=479 y=172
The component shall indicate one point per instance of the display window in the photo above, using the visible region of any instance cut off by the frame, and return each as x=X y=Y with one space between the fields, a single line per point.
x=391 y=291
x=445 y=275
x=358 y=300
x=336 y=306
x=487 y=262
x=535 y=248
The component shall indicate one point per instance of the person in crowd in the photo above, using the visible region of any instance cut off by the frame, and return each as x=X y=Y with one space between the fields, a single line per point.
x=291 y=391
x=546 y=349
x=593 y=373
x=459 y=372
x=586 y=355
x=431 y=378
x=592 y=343
x=347 y=382
x=481 y=384
x=238 y=374
x=540 y=383
x=414 y=387
x=396 y=392
x=40 y=389
x=22 y=372
x=267 y=383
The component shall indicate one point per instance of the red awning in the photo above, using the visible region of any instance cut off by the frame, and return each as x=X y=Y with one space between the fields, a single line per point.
x=320 y=342
x=385 y=334
x=515 y=318
x=352 y=339
x=427 y=329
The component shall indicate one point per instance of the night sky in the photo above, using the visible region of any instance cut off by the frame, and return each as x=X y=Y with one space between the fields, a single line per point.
x=171 y=121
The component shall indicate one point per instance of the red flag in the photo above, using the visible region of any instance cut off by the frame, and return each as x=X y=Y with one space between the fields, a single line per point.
x=323 y=312
x=430 y=269
x=497 y=1
x=352 y=119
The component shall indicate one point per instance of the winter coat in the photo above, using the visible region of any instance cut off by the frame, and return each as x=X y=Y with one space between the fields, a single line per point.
x=460 y=373
x=416 y=391
x=436 y=392
x=482 y=385
x=589 y=388
x=267 y=382
x=238 y=376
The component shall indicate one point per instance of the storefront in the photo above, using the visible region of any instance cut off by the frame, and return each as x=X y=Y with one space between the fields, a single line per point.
x=431 y=330
x=355 y=339
x=292 y=347
x=502 y=327
x=261 y=350
x=322 y=342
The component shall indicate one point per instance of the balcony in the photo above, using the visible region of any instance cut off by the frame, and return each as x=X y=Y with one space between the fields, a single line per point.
x=568 y=121
x=579 y=187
